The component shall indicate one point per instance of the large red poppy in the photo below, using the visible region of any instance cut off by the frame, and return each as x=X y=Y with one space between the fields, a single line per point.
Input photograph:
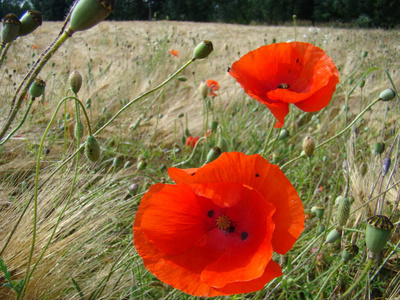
x=214 y=231
x=283 y=73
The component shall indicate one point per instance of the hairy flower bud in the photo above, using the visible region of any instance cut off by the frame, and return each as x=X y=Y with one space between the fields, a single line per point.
x=387 y=95
x=92 y=149
x=75 y=81
x=213 y=154
x=343 y=211
x=308 y=145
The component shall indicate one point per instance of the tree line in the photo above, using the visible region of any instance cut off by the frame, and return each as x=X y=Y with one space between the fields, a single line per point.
x=362 y=13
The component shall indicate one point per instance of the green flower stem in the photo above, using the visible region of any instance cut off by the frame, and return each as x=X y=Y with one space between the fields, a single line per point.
x=191 y=155
x=367 y=267
x=20 y=124
x=336 y=135
x=339 y=265
x=27 y=81
x=3 y=52
x=34 y=197
x=263 y=153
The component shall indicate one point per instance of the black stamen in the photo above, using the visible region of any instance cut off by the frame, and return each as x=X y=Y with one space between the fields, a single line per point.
x=210 y=213
x=257 y=175
x=192 y=174
x=244 y=236
x=230 y=229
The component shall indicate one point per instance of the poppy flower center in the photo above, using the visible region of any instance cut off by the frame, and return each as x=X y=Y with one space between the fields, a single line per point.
x=283 y=86
x=224 y=222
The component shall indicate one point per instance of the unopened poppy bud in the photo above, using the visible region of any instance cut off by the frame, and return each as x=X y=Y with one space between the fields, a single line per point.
x=37 y=88
x=10 y=28
x=363 y=169
x=31 y=20
x=343 y=211
x=309 y=145
x=203 y=50
x=349 y=251
x=75 y=81
x=350 y=81
x=213 y=125
x=379 y=148
x=187 y=132
x=378 y=232
x=128 y=164
x=203 y=88
x=386 y=166
x=222 y=144
x=142 y=164
x=78 y=130
x=387 y=95
x=362 y=83
x=213 y=154
x=133 y=189
x=364 y=54
x=284 y=134
x=88 y=13
x=320 y=229
x=92 y=149
x=333 y=236
x=117 y=161
x=182 y=78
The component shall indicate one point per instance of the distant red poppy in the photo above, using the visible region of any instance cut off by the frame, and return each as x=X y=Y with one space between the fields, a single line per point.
x=213 y=86
x=174 y=52
x=214 y=231
x=34 y=47
x=191 y=141
x=283 y=73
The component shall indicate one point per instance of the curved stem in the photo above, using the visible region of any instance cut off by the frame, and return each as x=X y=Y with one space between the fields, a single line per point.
x=3 y=52
x=20 y=124
x=338 y=134
x=367 y=267
x=328 y=278
x=27 y=81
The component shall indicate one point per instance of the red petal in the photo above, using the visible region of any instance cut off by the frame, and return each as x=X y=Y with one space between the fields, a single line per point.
x=264 y=177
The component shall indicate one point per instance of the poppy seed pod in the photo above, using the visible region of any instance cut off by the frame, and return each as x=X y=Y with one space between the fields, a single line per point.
x=31 y=20
x=203 y=50
x=387 y=95
x=319 y=211
x=213 y=154
x=75 y=81
x=92 y=149
x=88 y=13
x=308 y=145
x=37 y=88
x=333 y=236
x=378 y=233
x=349 y=251
x=343 y=211
x=10 y=28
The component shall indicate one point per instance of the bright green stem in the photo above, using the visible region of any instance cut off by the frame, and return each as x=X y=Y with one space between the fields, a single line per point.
x=367 y=267
x=27 y=81
x=338 y=134
x=20 y=124
x=37 y=187
x=3 y=52
x=263 y=153
x=328 y=278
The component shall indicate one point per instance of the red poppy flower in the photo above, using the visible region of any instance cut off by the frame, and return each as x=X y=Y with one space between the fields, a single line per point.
x=213 y=86
x=174 y=52
x=283 y=73
x=34 y=47
x=191 y=141
x=214 y=231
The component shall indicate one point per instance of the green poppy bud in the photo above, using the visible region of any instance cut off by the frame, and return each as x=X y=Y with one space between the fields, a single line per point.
x=128 y=164
x=379 y=229
x=133 y=189
x=75 y=81
x=92 y=149
x=117 y=161
x=203 y=50
x=37 y=88
x=349 y=251
x=364 y=54
x=142 y=164
x=283 y=135
x=363 y=169
x=213 y=154
x=320 y=229
x=387 y=95
x=182 y=78
x=343 y=211
x=362 y=83
x=78 y=130
x=187 y=132
x=379 y=148
x=222 y=144
x=29 y=22
x=333 y=236
x=88 y=13
x=10 y=28
x=308 y=145
x=203 y=88
x=319 y=211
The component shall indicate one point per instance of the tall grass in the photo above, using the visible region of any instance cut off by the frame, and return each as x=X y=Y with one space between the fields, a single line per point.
x=92 y=205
